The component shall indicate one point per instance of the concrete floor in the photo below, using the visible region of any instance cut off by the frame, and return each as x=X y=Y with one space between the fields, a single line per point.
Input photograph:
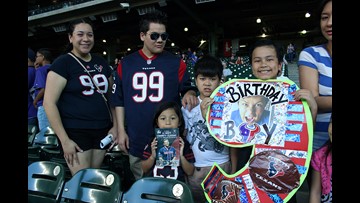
x=293 y=73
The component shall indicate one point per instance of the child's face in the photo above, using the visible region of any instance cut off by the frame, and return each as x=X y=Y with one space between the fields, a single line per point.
x=251 y=108
x=168 y=119
x=39 y=58
x=265 y=64
x=206 y=85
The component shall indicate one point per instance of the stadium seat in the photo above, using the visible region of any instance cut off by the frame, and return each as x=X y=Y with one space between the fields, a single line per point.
x=93 y=185
x=34 y=154
x=46 y=138
x=46 y=147
x=56 y=155
x=32 y=131
x=155 y=189
x=118 y=161
x=45 y=182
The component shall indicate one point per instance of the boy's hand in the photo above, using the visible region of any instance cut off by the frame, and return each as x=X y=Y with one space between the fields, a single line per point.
x=189 y=101
x=205 y=103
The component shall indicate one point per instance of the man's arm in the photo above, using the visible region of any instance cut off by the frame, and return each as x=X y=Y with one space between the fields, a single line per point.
x=117 y=102
x=188 y=90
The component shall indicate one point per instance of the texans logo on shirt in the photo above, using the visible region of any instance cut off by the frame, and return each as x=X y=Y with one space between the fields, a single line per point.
x=98 y=67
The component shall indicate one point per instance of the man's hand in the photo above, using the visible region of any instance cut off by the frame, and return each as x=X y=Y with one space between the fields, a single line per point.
x=123 y=141
x=189 y=101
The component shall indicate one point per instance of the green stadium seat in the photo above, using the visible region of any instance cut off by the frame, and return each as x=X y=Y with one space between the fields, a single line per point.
x=32 y=131
x=56 y=155
x=118 y=161
x=46 y=138
x=34 y=154
x=93 y=185
x=158 y=190
x=45 y=182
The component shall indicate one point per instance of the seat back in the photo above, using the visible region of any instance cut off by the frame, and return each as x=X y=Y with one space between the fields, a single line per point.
x=34 y=154
x=118 y=161
x=93 y=185
x=155 y=189
x=56 y=155
x=46 y=138
x=32 y=131
x=45 y=181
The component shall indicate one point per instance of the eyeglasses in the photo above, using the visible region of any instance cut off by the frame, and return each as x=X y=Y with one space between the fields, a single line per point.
x=154 y=36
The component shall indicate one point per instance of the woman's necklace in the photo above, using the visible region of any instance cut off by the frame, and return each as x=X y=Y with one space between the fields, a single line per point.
x=86 y=58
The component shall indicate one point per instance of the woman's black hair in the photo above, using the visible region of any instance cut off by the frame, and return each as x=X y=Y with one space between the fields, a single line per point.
x=321 y=8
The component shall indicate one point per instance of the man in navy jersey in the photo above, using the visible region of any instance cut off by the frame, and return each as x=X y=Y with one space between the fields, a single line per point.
x=146 y=78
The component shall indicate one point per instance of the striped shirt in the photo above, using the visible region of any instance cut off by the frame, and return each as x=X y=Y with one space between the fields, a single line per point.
x=317 y=57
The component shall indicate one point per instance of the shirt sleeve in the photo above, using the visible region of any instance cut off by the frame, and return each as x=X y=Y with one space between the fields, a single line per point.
x=188 y=153
x=316 y=159
x=186 y=83
x=147 y=151
x=117 y=96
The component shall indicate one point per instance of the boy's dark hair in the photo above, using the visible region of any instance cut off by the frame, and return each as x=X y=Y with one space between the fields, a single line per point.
x=46 y=53
x=152 y=17
x=208 y=66
x=267 y=42
x=170 y=105
x=31 y=55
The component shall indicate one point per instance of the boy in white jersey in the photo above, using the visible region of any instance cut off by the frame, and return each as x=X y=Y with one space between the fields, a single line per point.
x=207 y=150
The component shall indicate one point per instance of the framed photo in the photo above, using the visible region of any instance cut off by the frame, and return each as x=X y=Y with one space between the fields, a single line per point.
x=167 y=152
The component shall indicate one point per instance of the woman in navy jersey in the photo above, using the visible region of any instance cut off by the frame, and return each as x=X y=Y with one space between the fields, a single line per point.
x=75 y=107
